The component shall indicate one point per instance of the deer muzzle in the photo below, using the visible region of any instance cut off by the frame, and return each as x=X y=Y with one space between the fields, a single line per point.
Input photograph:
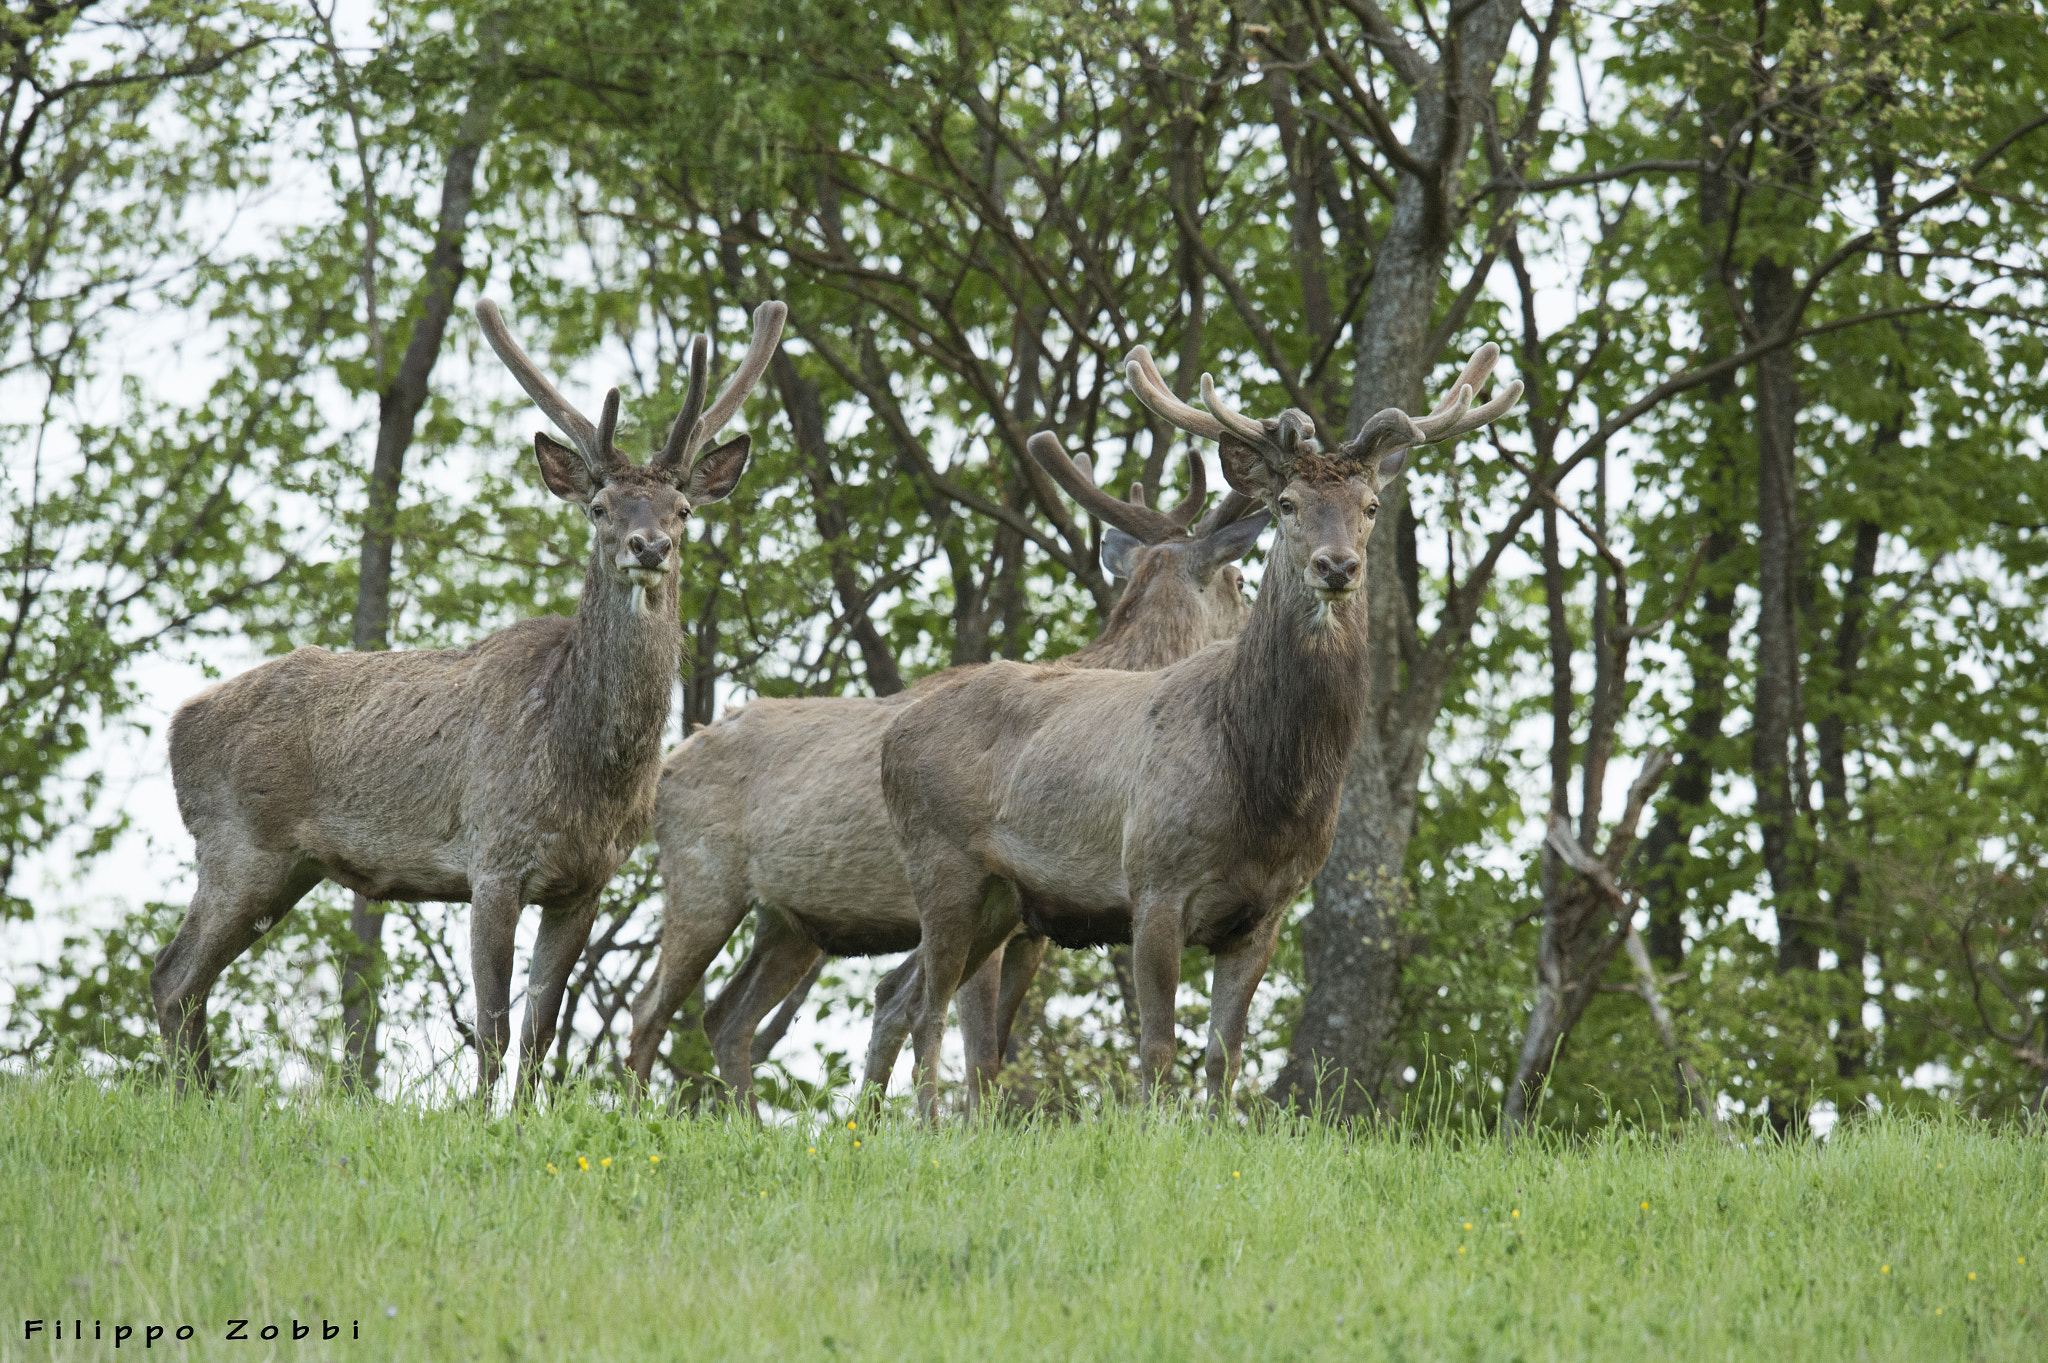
x=648 y=552
x=1334 y=572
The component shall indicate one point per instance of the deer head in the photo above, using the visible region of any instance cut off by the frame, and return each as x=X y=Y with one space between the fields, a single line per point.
x=1326 y=503
x=1144 y=546
x=638 y=510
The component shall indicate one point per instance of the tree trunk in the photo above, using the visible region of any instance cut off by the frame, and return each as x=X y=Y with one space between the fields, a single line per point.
x=1344 y=1045
x=1779 y=563
x=1832 y=732
x=398 y=410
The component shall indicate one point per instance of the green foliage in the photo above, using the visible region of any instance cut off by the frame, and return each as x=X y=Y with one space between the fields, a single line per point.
x=974 y=212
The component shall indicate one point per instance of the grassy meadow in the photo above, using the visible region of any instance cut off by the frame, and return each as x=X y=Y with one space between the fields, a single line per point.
x=579 y=1233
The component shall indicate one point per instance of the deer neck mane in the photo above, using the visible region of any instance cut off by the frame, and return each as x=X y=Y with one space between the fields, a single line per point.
x=616 y=673
x=1292 y=702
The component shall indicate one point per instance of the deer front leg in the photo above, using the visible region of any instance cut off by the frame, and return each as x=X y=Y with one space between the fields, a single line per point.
x=493 y=919
x=780 y=958
x=564 y=933
x=1239 y=968
x=1155 y=965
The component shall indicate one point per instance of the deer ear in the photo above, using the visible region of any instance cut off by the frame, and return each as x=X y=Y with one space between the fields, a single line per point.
x=1393 y=464
x=1243 y=467
x=1120 y=552
x=717 y=472
x=1233 y=541
x=563 y=470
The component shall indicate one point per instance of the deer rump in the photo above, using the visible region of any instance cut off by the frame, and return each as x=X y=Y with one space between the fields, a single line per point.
x=367 y=767
x=776 y=806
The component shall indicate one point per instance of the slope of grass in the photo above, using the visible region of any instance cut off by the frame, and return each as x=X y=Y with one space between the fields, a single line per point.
x=445 y=1235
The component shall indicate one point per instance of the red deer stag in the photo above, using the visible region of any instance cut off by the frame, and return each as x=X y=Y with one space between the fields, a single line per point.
x=519 y=770
x=1182 y=807
x=779 y=806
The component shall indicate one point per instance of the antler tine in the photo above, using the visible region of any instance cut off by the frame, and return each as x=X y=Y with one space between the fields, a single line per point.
x=768 y=319
x=1234 y=507
x=1393 y=429
x=678 y=447
x=1239 y=425
x=1487 y=415
x=1190 y=506
x=1153 y=392
x=1476 y=369
x=1135 y=519
x=607 y=428
x=571 y=422
x=1455 y=415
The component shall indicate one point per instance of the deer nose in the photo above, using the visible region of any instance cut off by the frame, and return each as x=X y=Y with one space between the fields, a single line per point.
x=652 y=553
x=1337 y=570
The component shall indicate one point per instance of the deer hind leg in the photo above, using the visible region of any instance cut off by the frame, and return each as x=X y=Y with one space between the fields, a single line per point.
x=767 y=1038
x=1021 y=959
x=895 y=1006
x=493 y=919
x=243 y=891
x=980 y=1009
x=702 y=907
x=563 y=935
x=974 y=916
x=780 y=958
x=1239 y=968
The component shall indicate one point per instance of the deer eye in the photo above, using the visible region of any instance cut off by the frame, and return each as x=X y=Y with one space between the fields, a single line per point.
x=1372 y=510
x=1287 y=506
x=596 y=513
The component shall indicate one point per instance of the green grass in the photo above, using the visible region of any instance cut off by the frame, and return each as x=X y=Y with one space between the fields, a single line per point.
x=446 y=1236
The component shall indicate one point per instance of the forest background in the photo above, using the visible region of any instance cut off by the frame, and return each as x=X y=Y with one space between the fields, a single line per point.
x=1705 y=769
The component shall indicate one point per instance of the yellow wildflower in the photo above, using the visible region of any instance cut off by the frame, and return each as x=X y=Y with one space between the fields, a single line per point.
x=583 y=1164
x=605 y=1163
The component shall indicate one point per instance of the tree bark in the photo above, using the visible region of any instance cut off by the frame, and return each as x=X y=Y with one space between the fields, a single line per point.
x=1345 y=1044
x=1779 y=569
x=398 y=411
x=1832 y=732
